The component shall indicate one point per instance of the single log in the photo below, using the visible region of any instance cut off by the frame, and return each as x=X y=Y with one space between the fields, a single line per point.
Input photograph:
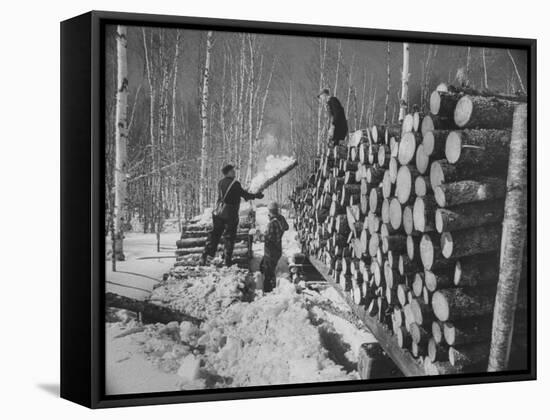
x=469 y=356
x=514 y=232
x=486 y=150
x=391 y=131
x=375 y=200
x=472 y=241
x=434 y=122
x=364 y=204
x=404 y=183
x=240 y=250
x=408 y=220
x=467 y=331
x=439 y=280
x=150 y=313
x=424 y=213
x=422 y=186
x=419 y=349
x=413 y=247
x=417 y=118
x=429 y=249
x=483 y=112
x=422 y=159
x=434 y=143
x=407 y=147
x=437 y=352
x=463 y=192
x=260 y=186
x=423 y=314
x=444 y=103
x=408 y=314
x=374 y=243
x=469 y=215
x=395 y=214
x=477 y=270
x=459 y=303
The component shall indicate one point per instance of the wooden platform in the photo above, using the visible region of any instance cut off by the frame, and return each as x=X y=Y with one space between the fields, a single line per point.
x=402 y=358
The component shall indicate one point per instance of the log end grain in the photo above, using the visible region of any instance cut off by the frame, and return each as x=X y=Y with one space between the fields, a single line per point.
x=427 y=125
x=395 y=213
x=427 y=252
x=463 y=111
x=447 y=244
x=422 y=159
x=440 y=306
x=435 y=102
x=453 y=146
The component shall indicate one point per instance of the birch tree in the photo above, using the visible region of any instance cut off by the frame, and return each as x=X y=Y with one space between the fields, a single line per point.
x=320 y=107
x=204 y=123
x=403 y=102
x=121 y=139
x=388 y=82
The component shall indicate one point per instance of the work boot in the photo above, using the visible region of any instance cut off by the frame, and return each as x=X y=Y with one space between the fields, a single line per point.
x=206 y=260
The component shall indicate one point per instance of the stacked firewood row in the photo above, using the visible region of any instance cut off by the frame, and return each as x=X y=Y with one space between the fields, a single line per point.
x=408 y=219
x=194 y=236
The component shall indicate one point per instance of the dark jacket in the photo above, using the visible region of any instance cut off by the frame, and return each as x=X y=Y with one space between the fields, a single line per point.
x=233 y=198
x=336 y=111
x=276 y=227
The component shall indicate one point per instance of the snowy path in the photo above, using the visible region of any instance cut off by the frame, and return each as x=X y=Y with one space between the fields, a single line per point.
x=136 y=277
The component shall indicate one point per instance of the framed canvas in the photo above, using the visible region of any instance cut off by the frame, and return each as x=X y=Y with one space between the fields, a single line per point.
x=255 y=209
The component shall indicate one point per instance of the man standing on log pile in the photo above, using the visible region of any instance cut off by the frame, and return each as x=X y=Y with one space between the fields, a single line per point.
x=273 y=247
x=338 y=124
x=225 y=217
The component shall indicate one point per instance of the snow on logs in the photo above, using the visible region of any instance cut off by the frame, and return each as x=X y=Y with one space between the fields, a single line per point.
x=423 y=205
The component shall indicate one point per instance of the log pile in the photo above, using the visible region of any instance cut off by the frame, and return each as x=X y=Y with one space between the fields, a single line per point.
x=194 y=235
x=409 y=224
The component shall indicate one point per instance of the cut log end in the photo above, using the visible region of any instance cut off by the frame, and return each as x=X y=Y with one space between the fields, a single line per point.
x=427 y=125
x=437 y=176
x=427 y=251
x=463 y=111
x=439 y=195
x=447 y=244
x=440 y=306
x=422 y=159
x=396 y=215
x=435 y=102
x=453 y=146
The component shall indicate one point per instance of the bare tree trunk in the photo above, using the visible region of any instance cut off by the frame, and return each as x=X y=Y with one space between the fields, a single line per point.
x=514 y=232
x=338 y=59
x=174 y=149
x=517 y=72
x=403 y=103
x=250 y=108
x=364 y=92
x=485 y=81
x=387 y=100
x=120 y=213
x=320 y=108
x=468 y=61
x=350 y=77
x=204 y=123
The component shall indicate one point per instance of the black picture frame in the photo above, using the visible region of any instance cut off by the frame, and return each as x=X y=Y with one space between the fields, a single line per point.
x=82 y=208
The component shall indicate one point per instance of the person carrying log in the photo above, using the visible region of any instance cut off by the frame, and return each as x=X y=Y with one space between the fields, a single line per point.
x=273 y=247
x=338 y=124
x=225 y=217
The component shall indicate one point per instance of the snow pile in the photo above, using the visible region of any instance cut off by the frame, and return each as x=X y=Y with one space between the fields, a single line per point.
x=204 y=292
x=265 y=342
x=274 y=165
x=203 y=219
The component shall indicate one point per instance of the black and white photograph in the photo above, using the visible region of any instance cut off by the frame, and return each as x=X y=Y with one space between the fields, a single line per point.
x=285 y=210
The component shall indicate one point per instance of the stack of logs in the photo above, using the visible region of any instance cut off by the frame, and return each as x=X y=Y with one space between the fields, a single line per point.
x=194 y=235
x=408 y=219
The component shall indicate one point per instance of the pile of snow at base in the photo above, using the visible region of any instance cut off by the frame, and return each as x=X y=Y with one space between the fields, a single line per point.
x=204 y=292
x=274 y=165
x=268 y=341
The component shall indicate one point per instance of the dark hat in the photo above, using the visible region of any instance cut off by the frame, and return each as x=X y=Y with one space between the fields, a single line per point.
x=227 y=168
x=325 y=91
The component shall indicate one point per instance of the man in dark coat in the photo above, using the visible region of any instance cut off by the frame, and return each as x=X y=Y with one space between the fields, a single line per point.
x=338 y=124
x=273 y=247
x=225 y=218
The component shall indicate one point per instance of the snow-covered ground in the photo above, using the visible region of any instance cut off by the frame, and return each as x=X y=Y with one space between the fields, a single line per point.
x=246 y=339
